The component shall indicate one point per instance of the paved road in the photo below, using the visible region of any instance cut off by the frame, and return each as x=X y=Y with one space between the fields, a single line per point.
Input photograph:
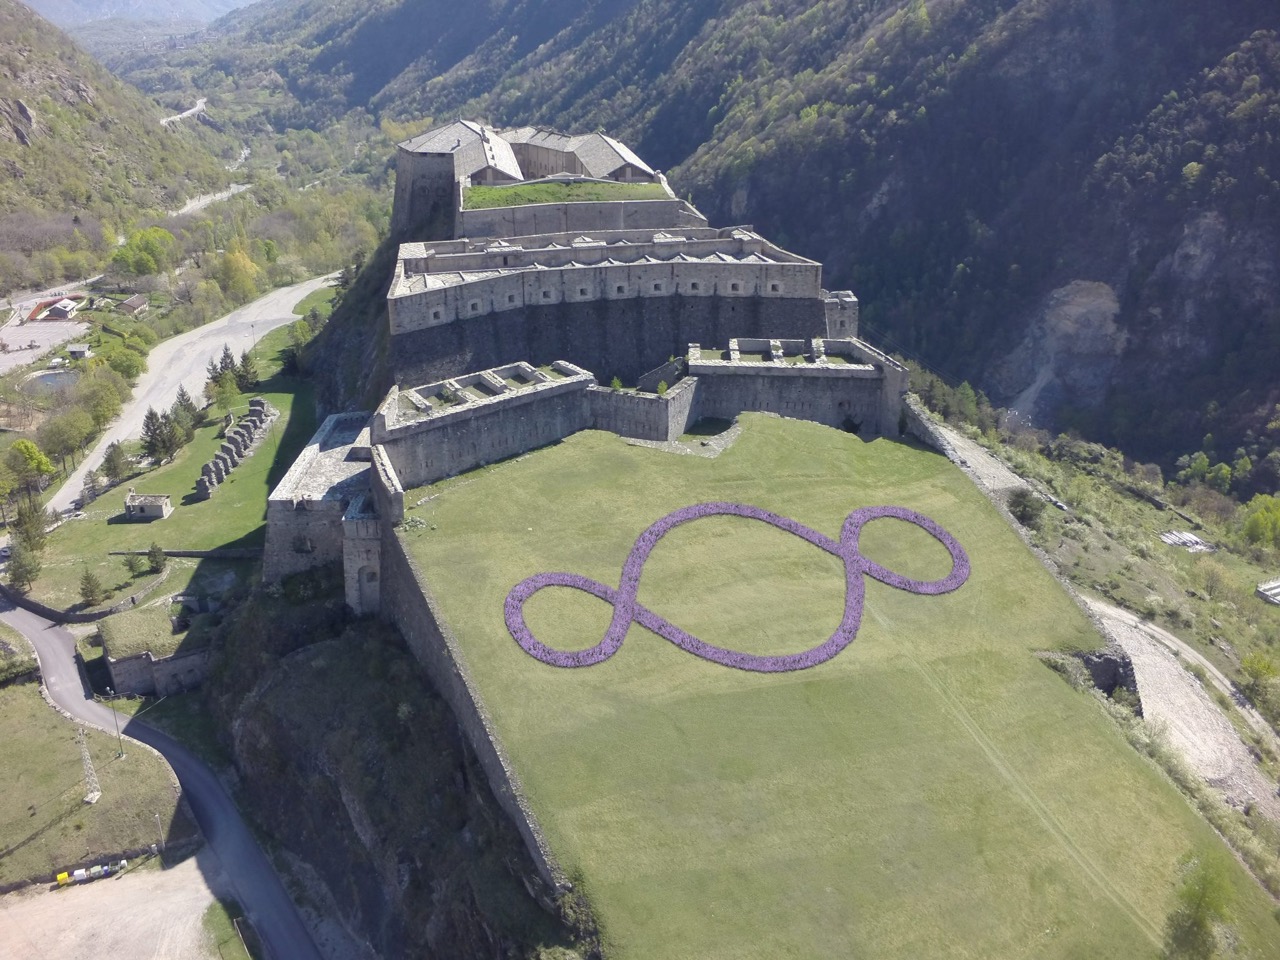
x=1187 y=652
x=181 y=361
x=198 y=108
x=254 y=882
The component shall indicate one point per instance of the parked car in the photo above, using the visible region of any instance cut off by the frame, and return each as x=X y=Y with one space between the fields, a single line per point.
x=4 y=553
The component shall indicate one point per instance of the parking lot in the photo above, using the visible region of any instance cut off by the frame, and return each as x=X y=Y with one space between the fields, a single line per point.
x=44 y=334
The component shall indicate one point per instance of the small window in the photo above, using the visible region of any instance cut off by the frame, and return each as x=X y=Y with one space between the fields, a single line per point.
x=621 y=289
x=657 y=288
x=435 y=314
x=475 y=306
x=511 y=298
x=694 y=285
x=735 y=288
x=775 y=288
x=582 y=291
x=546 y=294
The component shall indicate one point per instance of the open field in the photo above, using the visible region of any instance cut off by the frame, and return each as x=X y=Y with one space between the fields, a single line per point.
x=932 y=790
x=44 y=822
x=482 y=198
x=233 y=517
x=15 y=653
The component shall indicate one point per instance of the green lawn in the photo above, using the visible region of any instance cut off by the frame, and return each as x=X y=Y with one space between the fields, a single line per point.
x=482 y=198
x=933 y=790
x=150 y=627
x=320 y=300
x=16 y=656
x=44 y=822
x=233 y=517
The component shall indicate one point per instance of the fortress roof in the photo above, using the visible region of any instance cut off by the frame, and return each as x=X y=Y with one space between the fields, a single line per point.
x=473 y=145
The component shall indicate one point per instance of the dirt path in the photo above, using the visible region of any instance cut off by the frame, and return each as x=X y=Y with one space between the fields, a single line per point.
x=146 y=913
x=1175 y=700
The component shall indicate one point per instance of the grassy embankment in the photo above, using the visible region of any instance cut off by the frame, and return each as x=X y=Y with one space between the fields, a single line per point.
x=233 y=517
x=933 y=790
x=483 y=198
x=16 y=657
x=45 y=824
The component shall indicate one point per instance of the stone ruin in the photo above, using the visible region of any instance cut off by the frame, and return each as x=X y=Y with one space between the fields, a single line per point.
x=239 y=441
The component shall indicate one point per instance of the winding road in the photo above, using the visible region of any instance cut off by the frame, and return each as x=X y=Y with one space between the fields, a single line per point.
x=181 y=361
x=253 y=880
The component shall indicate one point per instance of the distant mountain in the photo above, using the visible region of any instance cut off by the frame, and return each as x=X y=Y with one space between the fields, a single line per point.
x=1072 y=203
x=74 y=140
x=71 y=14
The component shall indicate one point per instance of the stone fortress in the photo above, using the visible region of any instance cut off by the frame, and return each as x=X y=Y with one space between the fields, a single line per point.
x=500 y=326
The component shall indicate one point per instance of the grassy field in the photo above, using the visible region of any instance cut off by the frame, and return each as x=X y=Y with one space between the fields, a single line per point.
x=150 y=626
x=219 y=927
x=319 y=300
x=44 y=821
x=933 y=790
x=482 y=198
x=233 y=517
x=15 y=653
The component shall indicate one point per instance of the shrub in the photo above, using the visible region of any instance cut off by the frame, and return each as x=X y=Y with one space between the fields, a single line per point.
x=1026 y=507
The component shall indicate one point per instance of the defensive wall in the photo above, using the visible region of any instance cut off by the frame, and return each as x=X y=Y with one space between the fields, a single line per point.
x=347 y=489
x=145 y=675
x=616 y=302
x=523 y=219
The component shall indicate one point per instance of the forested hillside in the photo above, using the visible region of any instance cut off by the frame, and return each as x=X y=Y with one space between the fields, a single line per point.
x=82 y=154
x=1071 y=203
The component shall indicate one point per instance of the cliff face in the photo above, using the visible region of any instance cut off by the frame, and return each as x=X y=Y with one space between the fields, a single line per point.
x=353 y=765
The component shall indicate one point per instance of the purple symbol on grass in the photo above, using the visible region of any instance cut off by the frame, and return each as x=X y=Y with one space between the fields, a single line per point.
x=626 y=608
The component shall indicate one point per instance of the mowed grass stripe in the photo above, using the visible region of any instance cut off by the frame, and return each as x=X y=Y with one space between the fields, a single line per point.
x=847 y=810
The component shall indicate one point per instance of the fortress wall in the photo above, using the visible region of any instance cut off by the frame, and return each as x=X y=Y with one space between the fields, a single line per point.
x=644 y=416
x=388 y=493
x=407 y=602
x=467 y=301
x=424 y=188
x=624 y=337
x=301 y=536
x=532 y=218
x=798 y=392
x=436 y=448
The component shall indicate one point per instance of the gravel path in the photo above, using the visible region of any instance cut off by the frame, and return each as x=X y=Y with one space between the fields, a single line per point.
x=147 y=913
x=1174 y=699
x=984 y=467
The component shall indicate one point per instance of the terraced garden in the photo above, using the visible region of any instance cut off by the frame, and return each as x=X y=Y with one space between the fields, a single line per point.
x=930 y=789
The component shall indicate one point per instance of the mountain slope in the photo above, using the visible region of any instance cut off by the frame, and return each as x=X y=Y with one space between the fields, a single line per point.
x=74 y=139
x=1059 y=200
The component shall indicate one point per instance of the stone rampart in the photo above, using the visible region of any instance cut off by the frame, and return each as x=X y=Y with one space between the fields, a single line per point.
x=147 y=676
x=644 y=416
x=407 y=602
x=625 y=338
x=529 y=218
x=645 y=279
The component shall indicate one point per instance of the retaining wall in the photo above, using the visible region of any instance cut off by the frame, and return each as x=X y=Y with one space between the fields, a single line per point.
x=531 y=218
x=145 y=675
x=625 y=338
x=407 y=603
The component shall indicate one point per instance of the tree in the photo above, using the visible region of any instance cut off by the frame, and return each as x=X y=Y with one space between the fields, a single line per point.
x=151 y=429
x=92 y=488
x=1025 y=506
x=184 y=402
x=30 y=526
x=92 y=591
x=24 y=567
x=29 y=463
x=114 y=463
x=223 y=392
x=156 y=557
x=8 y=484
x=246 y=373
x=1203 y=901
x=134 y=564
x=227 y=361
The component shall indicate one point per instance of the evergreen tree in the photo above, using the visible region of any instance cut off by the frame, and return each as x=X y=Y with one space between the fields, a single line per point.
x=151 y=435
x=184 y=402
x=211 y=371
x=134 y=564
x=171 y=437
x=91 y=590
x=24 y=567
x=114 y=463
x=227 y=361
x=92 y=488
x=156 y=557
x=246 y=373
x=30 y=526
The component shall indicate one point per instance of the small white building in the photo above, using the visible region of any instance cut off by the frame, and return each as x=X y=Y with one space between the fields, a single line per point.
x=79 y=351
x=145 y=506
